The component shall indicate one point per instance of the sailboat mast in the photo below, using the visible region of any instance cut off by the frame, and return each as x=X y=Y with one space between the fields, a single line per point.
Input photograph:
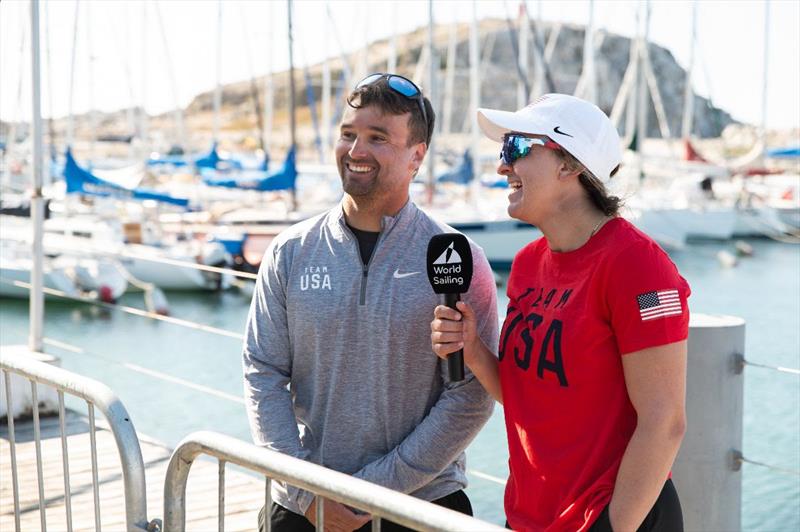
x=218 y=88
x=143 y=113
x=449 y=79
x=392 y=61
x=590 y=85
x=522 y=51
x=71 y=121
x=181 y=133
x=268 y=88
x=474 y=98
x=688 y=93
x=765 y=79
x=326 y=92
x=36 y=313
x=642 y=92
x=253 y=85
x=432 y=63
x=51 y=133
x=292 y=117
x=92 y=116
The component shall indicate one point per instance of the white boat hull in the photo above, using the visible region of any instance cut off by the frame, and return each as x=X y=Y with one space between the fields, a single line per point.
x=660 y=225
x=15 y=273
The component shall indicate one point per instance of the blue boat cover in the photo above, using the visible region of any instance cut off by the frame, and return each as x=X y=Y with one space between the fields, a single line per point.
x=461 y=174
x=498 y=182
x=80 y=181
x=784 y=153
x=209 y=160
x=283 y=179
x=174 y=160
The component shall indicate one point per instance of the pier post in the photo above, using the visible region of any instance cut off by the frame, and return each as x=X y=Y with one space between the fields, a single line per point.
x=707 y=472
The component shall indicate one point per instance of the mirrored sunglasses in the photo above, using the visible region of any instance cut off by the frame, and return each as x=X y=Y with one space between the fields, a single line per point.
x=401 y=85
x=517 y=146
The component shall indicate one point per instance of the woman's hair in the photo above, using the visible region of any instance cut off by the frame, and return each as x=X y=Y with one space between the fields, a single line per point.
x=608 y=205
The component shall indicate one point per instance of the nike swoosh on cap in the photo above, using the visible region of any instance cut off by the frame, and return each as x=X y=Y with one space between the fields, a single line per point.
x=398 y=275
x=557 y=130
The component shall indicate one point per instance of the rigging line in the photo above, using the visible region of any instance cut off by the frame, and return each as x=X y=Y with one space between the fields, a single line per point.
x=541 y=49
x=311 y=101
x=791 y=371
x=131 y=310
x=787 y=235
x=253 y=85
x=770 y=467
x=145 y=371
x=512 y=35
x=485 y=476
x=184 y=264
x=173 y=84
x=172 y=262
x=122 y=52
x=50 y=129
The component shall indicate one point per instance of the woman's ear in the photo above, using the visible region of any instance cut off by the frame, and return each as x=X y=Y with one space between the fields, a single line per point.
x=565 y=172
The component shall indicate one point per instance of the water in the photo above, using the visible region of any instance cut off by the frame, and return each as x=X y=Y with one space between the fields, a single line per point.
x=764 y=289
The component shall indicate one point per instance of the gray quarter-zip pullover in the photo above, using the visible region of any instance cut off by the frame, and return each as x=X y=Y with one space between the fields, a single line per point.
x=338 y=366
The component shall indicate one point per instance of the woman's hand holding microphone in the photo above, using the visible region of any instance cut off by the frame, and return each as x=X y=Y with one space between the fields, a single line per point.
x=452 y=330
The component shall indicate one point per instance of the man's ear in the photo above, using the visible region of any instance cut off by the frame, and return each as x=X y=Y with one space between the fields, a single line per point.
x=420 y=149
x=419 y=154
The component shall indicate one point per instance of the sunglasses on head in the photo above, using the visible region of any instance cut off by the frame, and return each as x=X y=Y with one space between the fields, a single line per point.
x=517 y=146
x=402 y=86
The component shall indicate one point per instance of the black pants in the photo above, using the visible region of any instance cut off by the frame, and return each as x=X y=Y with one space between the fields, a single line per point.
x=664 y=516
x=284 y=520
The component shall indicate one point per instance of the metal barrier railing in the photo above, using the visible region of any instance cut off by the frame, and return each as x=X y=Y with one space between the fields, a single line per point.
x=97 y=395
x=380 y=502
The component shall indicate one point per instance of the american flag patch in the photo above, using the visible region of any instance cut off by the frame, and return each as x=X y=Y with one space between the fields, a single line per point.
x=659 y=304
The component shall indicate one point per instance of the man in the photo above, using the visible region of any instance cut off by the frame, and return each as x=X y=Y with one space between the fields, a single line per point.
x=341 y=315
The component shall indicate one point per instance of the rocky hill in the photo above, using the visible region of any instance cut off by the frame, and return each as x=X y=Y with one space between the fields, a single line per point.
x=498 y=87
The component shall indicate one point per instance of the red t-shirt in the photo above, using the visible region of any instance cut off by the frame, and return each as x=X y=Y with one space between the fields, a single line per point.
x=571 y=316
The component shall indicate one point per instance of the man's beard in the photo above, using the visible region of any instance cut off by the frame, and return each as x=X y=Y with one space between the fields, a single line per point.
x=355 y=186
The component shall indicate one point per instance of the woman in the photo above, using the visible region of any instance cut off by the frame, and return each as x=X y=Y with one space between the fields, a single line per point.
x=592 y=358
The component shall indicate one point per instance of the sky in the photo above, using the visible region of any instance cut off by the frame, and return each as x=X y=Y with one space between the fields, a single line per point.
x=121 y=61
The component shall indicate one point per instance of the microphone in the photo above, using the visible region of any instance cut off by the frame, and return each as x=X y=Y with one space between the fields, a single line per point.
x=450 y=273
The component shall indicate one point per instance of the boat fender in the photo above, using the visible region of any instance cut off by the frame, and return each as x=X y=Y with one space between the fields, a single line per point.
x=743 y=249
x=727 y=259
x=106 y=294
x=156 y=301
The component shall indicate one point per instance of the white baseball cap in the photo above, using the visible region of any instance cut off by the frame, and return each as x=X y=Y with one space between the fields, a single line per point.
x=576 y=125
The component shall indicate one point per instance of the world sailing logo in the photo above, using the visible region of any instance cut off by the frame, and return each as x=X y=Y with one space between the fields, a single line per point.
x=450 y=256
x=447 y=268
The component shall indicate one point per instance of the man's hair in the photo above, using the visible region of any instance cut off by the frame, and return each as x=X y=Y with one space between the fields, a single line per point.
x=388 y=101
x=608 y=204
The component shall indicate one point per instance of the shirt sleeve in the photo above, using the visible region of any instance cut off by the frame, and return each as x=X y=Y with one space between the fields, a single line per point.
x=646 y=299
x=458 y=415
x=267 y=366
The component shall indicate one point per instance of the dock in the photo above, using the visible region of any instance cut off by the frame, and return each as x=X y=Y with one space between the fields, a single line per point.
x=244 y=494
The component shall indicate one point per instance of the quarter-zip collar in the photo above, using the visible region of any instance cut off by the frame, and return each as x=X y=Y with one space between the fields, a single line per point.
x=389 y=224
